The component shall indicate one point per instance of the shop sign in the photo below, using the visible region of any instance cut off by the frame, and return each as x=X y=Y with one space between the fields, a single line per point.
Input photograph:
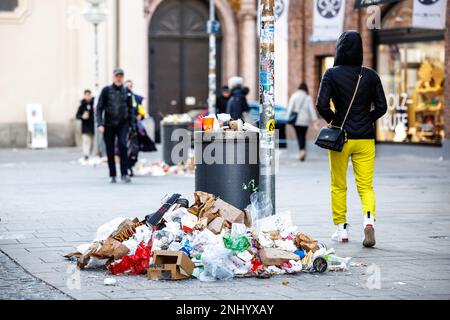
x=429 y=14
x=396 y=118
x=367 y=3
x=328 y=19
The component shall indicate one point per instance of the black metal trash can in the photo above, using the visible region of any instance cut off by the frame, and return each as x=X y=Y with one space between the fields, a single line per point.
x=227 y=165
x=167 y=129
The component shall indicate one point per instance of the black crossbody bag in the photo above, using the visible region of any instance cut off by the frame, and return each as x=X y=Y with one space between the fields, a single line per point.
x=332 y=137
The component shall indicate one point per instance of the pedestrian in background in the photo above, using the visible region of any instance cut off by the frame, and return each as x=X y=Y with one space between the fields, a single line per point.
x=85 y=113
x=237 y=105
x=340 y=84
x=222 y=99
x=114 y=118
x=301 y=111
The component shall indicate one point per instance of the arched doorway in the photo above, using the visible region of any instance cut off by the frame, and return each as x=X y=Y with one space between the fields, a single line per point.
x=178 y=57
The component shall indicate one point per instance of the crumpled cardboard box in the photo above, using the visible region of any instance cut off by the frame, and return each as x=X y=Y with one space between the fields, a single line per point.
x=306 y=243
x=276 y=257
x=228 y=212
x=170 y=265
x=216 y=225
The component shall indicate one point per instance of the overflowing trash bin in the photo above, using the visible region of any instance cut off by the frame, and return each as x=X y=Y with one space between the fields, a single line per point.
x=168 y=126
x=210 y=240
x=227 y=165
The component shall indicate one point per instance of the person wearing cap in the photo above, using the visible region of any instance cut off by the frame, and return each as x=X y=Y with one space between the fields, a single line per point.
x=114 y=111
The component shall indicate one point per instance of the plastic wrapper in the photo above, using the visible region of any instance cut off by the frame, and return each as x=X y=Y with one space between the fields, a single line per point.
x=281 y=222
x=186 y=247
x=260 y=207
x=104 y=231
x=133 y=264
x=203 y=239
x=287 y=245
x=238 y=229
x=236 y=244
x=217 y=264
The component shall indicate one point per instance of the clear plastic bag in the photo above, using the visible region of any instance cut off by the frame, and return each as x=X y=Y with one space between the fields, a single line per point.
x=217 y=264
x=260 y=206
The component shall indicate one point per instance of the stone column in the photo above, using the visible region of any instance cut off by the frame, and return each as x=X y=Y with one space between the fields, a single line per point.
x=248 y=46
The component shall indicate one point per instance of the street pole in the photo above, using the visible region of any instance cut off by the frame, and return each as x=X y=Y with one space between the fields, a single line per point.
x=98 y=150
x=213 y=28
x=95 y=14
x=267 y=101
x=97 y=60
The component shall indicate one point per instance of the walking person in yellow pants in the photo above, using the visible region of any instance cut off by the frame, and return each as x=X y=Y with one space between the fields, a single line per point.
x=369 y=104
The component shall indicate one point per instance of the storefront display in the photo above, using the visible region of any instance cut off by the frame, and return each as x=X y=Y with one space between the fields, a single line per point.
x=412 y=72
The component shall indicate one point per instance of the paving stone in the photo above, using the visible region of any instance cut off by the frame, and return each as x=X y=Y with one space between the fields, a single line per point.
x=413 y=229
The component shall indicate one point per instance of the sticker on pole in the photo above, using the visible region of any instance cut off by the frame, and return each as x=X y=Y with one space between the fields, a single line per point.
x=270 y=126
x=267 y=140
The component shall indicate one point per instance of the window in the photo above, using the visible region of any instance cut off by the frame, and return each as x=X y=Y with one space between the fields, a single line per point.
x=8 y=5
x=413 y=78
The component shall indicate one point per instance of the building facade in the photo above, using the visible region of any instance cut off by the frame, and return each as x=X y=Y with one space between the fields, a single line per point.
x=413 y=63
x=47 y=58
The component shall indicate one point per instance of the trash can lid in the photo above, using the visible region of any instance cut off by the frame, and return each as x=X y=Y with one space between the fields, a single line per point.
x=202 y=136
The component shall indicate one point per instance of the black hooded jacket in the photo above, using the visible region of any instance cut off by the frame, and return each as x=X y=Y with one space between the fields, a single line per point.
x=339 y=83
x=237 y=104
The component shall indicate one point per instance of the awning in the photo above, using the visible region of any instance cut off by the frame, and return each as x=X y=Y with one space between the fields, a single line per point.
x=366 y=3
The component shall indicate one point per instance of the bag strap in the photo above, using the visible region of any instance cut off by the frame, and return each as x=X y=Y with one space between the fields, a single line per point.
x=351 y=102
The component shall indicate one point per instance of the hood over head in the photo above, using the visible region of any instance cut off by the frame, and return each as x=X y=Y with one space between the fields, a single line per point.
x=349 y=49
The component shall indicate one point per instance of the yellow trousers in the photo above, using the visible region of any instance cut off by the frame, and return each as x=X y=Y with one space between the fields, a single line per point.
x=362 y=154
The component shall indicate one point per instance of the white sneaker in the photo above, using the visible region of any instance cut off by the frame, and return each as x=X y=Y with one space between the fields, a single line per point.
x=341 y=234
x=369 y=220
x=369 y=231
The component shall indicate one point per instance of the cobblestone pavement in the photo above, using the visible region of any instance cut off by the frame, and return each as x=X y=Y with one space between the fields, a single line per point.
x=17 y=284
x=50 y=204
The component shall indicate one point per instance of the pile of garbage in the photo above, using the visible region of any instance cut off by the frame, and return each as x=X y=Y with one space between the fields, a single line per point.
x=159 y=168
x=224 y=122
x=210 y=240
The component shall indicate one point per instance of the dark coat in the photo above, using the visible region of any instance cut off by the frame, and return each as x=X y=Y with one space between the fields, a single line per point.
x=112 y=112
x=87 y=126
x=221 y=104
x=339 y=83
x=237 y=104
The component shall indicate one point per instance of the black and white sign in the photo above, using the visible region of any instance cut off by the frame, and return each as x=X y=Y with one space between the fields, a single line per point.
x=429 y=14
x=328 y=19
x=367 y=3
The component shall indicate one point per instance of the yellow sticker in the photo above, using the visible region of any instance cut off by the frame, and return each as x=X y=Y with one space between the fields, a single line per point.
x=271 y=125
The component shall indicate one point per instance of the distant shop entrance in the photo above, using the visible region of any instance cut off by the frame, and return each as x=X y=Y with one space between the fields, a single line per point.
x=178 y=57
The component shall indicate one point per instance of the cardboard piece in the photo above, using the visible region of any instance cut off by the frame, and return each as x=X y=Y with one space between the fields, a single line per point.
x=216 y=225
x=170 y=265
x=228 y=212
x=306 y=243
x=276 y=257
x=111 y=248
x=126 y=229
x=188 y=222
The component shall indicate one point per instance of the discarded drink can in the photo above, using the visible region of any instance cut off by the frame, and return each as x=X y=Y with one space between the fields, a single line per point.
x=320 y=265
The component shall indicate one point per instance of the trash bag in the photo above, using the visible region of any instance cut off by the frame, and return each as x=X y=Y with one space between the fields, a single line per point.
x=236 y=244
x=135 y=264
x=260 y=206
x=217 y=264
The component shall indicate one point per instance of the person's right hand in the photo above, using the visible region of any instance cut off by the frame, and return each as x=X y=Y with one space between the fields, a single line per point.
x=101 y=129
